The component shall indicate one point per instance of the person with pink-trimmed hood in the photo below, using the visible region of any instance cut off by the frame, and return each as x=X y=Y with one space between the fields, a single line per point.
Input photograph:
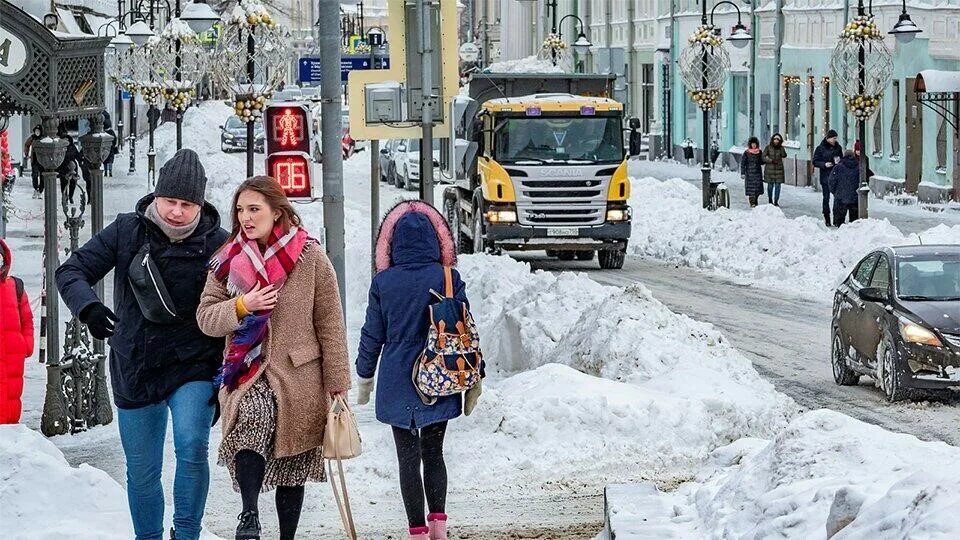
x=413 y=247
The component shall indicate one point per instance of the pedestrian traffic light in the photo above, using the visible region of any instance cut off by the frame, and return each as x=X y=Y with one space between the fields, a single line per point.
x=288 y=128
x=292 y=172
x=288 y=147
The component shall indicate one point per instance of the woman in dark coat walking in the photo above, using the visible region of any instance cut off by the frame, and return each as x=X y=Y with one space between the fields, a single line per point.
x=773 y=172
x=751 y=170
x=413 y=247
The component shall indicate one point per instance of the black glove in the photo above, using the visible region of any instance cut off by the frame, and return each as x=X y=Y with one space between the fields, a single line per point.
x=99 y=319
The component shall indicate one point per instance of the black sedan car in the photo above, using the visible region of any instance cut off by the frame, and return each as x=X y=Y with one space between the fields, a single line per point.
x=896 y=318
x=233 y=135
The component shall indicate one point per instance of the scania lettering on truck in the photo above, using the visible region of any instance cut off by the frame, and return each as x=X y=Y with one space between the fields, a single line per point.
x=540 y=171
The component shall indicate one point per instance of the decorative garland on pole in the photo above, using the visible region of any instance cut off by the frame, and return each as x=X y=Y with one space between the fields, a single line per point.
x=861 y=50
x=704 y=64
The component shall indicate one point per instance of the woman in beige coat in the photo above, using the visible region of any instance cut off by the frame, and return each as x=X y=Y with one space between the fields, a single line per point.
x=273 y=293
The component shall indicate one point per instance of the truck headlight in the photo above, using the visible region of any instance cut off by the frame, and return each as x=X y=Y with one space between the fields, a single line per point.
x=914 y=333
x=502 y=216
x=618 y=214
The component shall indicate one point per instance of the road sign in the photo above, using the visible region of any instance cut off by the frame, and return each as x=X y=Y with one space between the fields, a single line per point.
x=287 y=128
x=469 y=52
x=310 y=67
x=124 y=95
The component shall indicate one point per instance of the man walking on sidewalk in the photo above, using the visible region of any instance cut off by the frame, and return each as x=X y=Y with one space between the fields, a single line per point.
x=825 y=157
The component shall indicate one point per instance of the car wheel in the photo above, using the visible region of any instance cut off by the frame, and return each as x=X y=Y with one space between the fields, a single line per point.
x=891 y=376
x=397 y=179
x=842 y=374
x=612 y=259
x=585 y=255
x=223 y=148
x=407 y=183
x=566 y=255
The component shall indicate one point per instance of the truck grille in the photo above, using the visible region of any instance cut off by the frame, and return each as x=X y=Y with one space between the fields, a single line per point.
x=573 y=202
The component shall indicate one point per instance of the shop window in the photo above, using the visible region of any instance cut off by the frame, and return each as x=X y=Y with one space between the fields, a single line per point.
x=895 y=123
x=878 y=133
x=791 y=107
x=741 y=110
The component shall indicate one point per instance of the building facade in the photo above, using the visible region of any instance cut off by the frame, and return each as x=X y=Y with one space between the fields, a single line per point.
x=779 y=82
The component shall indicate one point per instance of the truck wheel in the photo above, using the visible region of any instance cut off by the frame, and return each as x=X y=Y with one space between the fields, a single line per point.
x=612 y=259
x=478 y=240
x=585 y=255
x=551 y=253
x=566 y=255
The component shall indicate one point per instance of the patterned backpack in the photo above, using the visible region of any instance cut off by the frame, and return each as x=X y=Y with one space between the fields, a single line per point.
x=450 y=363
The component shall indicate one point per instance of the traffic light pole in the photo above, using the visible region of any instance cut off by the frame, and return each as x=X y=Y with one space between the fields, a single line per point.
x=426 y=98
x=329 y=41
x=250 y=76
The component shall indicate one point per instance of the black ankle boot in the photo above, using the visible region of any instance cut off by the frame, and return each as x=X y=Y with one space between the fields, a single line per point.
x=249 y=527
x=173 y=534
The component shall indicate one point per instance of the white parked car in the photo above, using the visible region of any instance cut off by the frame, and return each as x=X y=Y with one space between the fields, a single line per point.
x=406 y=162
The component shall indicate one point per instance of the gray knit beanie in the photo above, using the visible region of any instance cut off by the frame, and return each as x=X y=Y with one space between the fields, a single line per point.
x=182 y=177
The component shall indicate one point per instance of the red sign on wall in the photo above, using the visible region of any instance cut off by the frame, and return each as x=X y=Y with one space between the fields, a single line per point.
x=292 y=172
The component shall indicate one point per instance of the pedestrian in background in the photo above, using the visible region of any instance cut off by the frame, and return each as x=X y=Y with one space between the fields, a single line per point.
x=161 y=364
x=751 y=170
x=16 y=338
x=825 y=157
x=843 y=183
x=114 y=150
x=29 y=153
x=273 y=293
x=413 y=247
x=773 y=171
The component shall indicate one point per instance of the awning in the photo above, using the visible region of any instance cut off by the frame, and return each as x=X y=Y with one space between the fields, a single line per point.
x=934 y=81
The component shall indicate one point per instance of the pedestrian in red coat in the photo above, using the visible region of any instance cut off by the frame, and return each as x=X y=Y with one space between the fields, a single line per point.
x=16 y=338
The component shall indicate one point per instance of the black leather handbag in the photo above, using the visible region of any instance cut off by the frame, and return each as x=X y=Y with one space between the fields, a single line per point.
x=148 y=287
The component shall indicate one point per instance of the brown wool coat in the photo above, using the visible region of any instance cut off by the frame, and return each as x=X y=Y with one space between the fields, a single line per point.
x=306 y=350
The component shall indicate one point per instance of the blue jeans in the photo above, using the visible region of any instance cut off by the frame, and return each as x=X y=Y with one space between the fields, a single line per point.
x=773 y=192
x=142 y=434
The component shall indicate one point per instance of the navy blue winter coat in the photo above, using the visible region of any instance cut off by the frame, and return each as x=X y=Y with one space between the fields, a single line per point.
x=845 y=179
x=148 y=361
x=409 y=256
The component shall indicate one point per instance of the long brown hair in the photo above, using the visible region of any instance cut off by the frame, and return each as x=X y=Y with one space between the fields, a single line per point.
x=276 y=200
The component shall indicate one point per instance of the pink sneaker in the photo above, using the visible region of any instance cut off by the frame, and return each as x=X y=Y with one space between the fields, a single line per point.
x=419 y=533
x=438 y=526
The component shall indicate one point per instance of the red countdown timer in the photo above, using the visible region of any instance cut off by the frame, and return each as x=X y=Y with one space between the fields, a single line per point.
x=292 y=172
x=287 y=129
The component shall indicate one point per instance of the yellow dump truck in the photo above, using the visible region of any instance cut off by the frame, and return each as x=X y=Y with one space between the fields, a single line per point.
x=539 y=171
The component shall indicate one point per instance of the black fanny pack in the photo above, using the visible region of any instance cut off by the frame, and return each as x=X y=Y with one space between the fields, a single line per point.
x=148 y=287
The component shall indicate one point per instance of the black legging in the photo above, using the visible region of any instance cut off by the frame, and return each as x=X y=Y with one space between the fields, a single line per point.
x=250 y=468
x=414 y=448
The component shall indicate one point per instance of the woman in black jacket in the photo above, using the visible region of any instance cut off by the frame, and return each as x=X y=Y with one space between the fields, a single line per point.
x=160 y=367
x=751 y=170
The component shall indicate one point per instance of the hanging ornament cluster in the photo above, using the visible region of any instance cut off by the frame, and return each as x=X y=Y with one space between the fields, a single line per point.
x=553 y=43
x=860 y=28
x=862 y=106
x=177 y=99
x=232 y=57
x=861 y=66
x=704 y=66
x=249 y=14
x=706 y=34
x=705 y=99
x=178 y=94
x=151 y=92
x=250 y=108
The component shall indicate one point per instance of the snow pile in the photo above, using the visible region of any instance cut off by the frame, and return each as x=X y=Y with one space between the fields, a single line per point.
x=825 y=471
x=530 y=64
x=761 y=246
x=36 y=481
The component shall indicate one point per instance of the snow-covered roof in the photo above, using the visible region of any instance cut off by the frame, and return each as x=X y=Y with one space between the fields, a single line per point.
x=931 y=80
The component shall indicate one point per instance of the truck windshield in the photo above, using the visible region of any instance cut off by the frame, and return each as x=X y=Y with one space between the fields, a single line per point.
x=551 y=139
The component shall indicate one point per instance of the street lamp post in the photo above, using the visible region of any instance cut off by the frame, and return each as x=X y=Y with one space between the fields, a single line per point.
x=703 y=67
x=582 y=45
x=862 y=67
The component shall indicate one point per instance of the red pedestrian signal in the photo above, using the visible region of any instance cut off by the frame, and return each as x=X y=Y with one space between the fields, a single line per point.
x=288 y=128
x=292 y=172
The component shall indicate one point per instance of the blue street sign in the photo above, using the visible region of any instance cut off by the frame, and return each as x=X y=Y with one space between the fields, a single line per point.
x=124 y=95
x=310 y=67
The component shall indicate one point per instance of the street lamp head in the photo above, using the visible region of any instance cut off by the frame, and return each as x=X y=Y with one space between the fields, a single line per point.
x=139 y=32
x=582 y=44
x=905 y=29
x=199 y=16
x=51 y=21
x=122 y=42
x=740 y=36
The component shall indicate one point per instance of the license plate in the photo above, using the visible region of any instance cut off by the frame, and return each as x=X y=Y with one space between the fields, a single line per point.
x=563 y=231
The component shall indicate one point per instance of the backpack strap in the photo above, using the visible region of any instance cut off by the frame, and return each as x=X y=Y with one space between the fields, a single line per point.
x=448 y=281
x=18 y=286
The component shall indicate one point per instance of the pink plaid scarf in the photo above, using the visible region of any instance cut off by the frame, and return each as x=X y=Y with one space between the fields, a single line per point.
x=242 y=266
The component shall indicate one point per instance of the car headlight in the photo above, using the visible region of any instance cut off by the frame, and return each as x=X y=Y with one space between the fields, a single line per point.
x=502 y=216
x=914 y=333
x=618 y=214
x=227 y=136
